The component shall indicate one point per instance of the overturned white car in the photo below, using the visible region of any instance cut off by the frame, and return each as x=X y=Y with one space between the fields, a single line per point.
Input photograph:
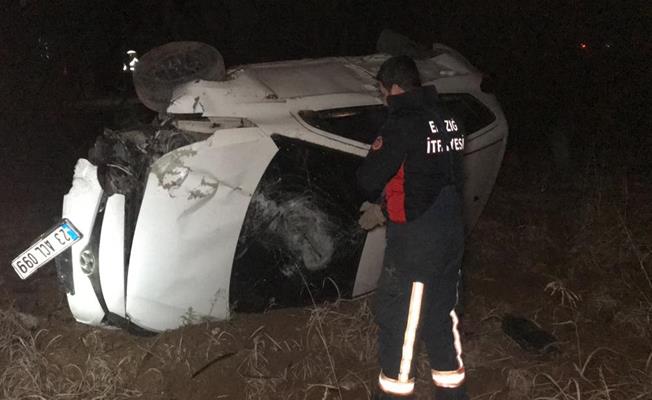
x=243 y=195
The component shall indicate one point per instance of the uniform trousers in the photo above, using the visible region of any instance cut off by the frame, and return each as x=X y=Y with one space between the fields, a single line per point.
x=416 y=298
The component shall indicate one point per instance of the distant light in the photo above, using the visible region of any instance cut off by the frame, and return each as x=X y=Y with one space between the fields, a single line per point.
x=583 y=46
x=133 y=60
x=44 y=48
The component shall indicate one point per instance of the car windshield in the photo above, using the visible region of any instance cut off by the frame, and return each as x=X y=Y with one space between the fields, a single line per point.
x=363 y=123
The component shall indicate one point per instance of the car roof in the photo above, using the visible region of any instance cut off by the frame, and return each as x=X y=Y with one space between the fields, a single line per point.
x=267 y=93
x=314 y=77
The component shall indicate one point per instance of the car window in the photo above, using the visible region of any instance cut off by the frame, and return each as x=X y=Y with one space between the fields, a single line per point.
x=363 y=123
x=473 y=114
x=357 y=123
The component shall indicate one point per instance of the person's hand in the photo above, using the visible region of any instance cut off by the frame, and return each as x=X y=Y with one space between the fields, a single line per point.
x=371 y=217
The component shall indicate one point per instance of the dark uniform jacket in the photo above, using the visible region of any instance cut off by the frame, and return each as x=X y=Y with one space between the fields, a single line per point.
x=417 y=153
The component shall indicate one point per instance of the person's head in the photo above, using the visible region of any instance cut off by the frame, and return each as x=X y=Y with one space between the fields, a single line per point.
x=397 y=75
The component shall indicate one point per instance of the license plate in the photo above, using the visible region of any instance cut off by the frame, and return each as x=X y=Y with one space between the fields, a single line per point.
x=46 y=248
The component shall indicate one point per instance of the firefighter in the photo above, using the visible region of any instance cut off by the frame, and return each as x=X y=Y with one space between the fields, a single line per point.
x=415 y=167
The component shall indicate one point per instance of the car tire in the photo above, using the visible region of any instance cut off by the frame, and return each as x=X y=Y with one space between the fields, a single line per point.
x=165 y=67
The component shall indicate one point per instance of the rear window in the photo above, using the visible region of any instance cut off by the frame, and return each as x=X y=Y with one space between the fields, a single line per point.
x=363 y=123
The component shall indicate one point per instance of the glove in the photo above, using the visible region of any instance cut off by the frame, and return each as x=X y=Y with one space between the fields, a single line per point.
x=372 y=216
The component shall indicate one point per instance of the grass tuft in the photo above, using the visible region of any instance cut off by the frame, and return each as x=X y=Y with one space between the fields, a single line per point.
x=27 y=369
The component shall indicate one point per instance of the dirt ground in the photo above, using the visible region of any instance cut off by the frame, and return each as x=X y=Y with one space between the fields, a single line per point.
x=570 y=253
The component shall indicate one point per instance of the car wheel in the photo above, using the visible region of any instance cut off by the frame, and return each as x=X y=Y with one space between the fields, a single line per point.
x=163 y=68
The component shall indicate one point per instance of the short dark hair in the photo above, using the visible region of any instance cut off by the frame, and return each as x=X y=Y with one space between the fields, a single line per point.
x=399 y=70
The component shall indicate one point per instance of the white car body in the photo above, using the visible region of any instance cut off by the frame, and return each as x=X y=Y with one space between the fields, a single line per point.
x=196 y=197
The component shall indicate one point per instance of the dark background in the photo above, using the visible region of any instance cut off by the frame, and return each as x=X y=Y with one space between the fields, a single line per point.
x=58 y=57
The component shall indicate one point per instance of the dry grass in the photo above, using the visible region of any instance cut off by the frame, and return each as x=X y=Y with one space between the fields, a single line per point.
x=598 y=299
x=215 y=337
x=27 y=369
x=351 y=336
x=519 y=383
x=306 y=366
x=567 y=297
x=348 y=333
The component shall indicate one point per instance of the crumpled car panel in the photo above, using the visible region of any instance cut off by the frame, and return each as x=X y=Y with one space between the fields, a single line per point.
x=186 y=237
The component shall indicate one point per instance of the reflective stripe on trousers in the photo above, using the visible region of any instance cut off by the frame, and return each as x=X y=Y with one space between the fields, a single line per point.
x=404 y=385
x=452 y=379
x=394 y=386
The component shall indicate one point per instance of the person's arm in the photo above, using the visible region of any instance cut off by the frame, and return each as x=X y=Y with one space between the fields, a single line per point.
x=385 y=157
